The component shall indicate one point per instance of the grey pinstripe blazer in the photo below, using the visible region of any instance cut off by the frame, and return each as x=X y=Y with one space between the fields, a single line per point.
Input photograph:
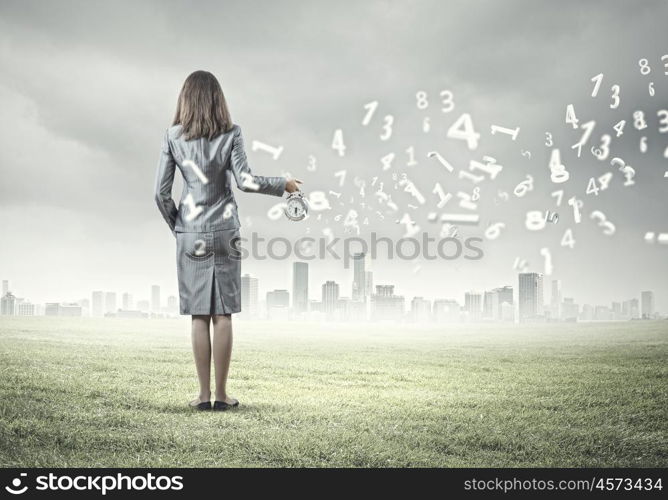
x=207 y=202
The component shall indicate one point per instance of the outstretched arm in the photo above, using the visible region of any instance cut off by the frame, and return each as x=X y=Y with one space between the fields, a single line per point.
x=163 y=184
x=243 y=176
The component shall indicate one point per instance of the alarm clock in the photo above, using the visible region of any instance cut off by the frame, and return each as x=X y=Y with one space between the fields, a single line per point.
x=296 y=207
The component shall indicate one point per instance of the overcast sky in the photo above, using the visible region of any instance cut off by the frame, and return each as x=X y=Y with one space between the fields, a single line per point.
x=88 y=88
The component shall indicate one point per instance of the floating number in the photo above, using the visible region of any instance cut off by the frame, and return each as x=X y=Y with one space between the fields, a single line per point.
x=524 y=187
x=558 y=172
x=370 y=110
x=663 y=120
x=337 y=142
x=535 y=220
x=567 y=240
x=466 y=132
x=644 y=67
x=193 y=210
x=421 y=97
x=494 y=231
x=570 y=116
x=615 y=97
x=597 y=83
x=608 y=227
x=387 y=128
x=577 y=205
x=447 y=100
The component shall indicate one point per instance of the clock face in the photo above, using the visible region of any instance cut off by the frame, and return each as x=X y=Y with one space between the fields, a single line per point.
x=295 y=208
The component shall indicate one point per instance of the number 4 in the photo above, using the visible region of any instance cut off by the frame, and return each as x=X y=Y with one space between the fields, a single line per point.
x=466 y=132
x=337 y=142
x=591 y=187
x=567 y=240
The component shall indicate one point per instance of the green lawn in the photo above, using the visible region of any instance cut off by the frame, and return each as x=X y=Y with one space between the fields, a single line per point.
x=113 y=393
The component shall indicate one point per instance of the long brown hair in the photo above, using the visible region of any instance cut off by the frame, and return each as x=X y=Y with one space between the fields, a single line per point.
x=201 y=109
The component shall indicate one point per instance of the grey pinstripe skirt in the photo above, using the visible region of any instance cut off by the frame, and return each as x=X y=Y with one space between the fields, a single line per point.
x=209 y=278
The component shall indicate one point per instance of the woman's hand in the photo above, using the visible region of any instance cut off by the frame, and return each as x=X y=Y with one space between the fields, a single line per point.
x=292 y=185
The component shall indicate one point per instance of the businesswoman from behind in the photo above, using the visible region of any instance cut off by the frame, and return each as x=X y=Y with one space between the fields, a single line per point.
x=208 y=150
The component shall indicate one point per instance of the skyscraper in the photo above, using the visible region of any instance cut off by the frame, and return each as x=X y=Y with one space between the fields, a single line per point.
x=97 y=300
x=110 y=302
x=502 y=301
x=330 y=296
x=555 y=300
x=155 y=298
x=5 y=287
x=8 y=304
x=530 y=296
x=172 y=304
x=249 y=296
x=359 y=276
x=473 y=305
x=647 y=304
x=369 y=283
x=420 y=309
x=128 y=303
x=489 y=303
x=300 y=287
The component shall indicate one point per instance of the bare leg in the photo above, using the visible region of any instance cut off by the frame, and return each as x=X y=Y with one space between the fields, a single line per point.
x=202 y=351
x=222 y=352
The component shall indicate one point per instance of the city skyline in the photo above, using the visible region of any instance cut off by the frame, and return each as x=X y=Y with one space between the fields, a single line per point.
x=499 y=302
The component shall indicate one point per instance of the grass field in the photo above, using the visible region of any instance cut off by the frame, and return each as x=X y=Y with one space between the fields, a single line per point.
x=113 y=393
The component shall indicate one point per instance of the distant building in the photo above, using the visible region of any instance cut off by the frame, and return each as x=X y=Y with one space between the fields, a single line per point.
x=97 y=301
x=446 y=311
x=172 y=304
x=155 y=298
x=300 y=287
x=473 y=305
x=65 y=309
x=420 y=309
x=69 y=309
x=278 y=298
x=127 y=302
x=488 y=305
x=647 y=304
x=634 y=309
x=587 y=313
x=616 y=310
x=530 y=296
x=359 y=276
x=5 y=287
x=386 y=305
x=502 y=303
x=110 y=305
x=51 y=309
x=602 y=313
x=569 y=310
x=249 y=296
x=330 y=296
x=555 y=300
x=8 y=304
x=368 y=281
x=143 y=305
x=26 y=309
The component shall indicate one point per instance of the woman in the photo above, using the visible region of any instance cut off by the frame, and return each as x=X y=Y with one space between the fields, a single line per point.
x=208 y=151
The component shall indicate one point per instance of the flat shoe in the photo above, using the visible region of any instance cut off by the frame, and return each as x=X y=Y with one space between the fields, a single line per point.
x=222 y=405
x=197 y=405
